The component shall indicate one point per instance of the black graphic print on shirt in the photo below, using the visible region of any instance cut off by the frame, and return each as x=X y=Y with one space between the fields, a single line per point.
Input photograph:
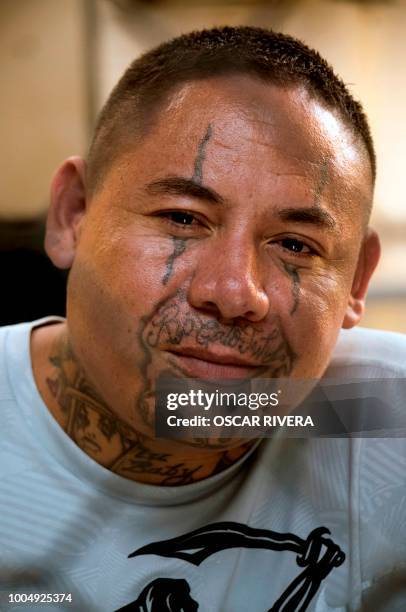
x=318 y=555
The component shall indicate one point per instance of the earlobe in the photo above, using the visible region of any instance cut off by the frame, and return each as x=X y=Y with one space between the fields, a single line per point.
x=368 y=260
x=66 y=211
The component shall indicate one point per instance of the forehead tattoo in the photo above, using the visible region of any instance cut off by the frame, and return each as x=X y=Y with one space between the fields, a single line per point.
x=315 y=215
x=179 y=244
x=201 y=155
x=323 y=180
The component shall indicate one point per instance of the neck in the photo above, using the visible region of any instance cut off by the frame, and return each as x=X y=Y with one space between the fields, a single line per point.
x=102 y=434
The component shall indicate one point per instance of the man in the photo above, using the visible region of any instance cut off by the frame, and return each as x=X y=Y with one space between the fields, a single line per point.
x=226 y=193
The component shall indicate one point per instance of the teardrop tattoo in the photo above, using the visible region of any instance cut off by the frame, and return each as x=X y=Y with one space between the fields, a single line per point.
x=179 y=244
x=293 y=273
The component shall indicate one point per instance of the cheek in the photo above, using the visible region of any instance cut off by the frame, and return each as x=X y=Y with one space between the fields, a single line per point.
x=116 y=279
x=123 y=269
x=314 y=327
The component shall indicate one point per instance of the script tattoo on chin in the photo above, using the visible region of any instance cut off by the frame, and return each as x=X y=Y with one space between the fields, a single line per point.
x=173 y=324
x=179 y=243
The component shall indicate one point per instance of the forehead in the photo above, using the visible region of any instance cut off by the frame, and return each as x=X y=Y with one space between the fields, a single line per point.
x=262 y=134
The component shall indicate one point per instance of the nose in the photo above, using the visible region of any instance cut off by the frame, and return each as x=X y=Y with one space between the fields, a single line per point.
x=227 y=282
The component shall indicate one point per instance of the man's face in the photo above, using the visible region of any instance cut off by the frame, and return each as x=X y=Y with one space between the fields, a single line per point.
x=223 y=246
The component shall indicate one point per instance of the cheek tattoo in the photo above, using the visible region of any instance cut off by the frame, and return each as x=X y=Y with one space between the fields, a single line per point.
x=179 y=244
x=293 y=272
x=173 y=324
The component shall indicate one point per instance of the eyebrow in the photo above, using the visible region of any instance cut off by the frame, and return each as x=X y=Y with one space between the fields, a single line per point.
x=313 y=215
x=181 y=186
x=177 y=185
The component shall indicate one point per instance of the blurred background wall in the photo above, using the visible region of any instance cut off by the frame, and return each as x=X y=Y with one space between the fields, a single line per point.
x=60 y=58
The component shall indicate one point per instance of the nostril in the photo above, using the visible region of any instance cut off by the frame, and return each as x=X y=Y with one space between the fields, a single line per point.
x=209 y=307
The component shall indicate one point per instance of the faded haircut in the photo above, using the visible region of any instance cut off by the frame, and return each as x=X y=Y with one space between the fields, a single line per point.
x=264 y=54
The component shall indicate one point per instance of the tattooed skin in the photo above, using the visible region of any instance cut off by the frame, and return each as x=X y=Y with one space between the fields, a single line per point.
x=322 y=183
x=172 y=324
x=293 y=272
x=179 y=244
x=201 y=154
x=110 y=441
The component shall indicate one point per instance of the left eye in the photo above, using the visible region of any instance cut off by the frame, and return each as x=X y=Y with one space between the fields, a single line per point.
x=295 y=246
x=181 y=218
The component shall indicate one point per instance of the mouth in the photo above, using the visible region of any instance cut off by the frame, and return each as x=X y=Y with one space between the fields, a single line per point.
x=198 y=363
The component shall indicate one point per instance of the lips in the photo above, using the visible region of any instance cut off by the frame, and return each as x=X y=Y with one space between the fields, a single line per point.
x=198 y=363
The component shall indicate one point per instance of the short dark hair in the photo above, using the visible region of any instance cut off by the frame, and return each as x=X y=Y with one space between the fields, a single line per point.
x=265 y=54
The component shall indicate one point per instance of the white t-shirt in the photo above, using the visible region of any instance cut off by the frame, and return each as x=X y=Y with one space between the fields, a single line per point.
x=240 y=541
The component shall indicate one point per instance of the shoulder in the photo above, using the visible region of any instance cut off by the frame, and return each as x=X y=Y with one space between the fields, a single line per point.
x=369 y=353
x=10 y=346
x=15 y=357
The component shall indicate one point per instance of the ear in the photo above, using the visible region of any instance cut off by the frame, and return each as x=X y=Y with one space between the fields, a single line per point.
x=368 y=260
x=67 y=210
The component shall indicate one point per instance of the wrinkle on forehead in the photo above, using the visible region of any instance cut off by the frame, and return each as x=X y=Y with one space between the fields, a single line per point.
x=250 y=149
